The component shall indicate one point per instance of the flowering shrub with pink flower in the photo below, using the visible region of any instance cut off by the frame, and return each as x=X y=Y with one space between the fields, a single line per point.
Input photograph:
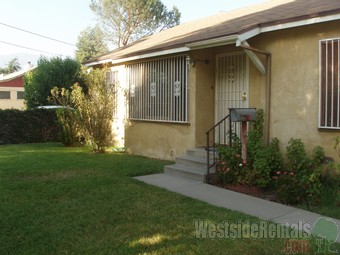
x=230 y=165
x=299 y=178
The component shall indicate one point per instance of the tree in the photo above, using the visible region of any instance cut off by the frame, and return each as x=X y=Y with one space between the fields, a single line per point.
x=90 y=43
x=93 y=109
x=12 y=66
x=54 y=72
x=125 y=21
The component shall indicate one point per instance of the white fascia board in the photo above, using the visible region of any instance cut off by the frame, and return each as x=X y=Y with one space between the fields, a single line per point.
x=300 y=23
x=12 y=76
x=151 y=55
x=213 y=42
x=138 y=57
x=259 y=30
x=101 y=62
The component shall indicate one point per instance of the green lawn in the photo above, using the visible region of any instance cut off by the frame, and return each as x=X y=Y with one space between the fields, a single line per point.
x=57 y=200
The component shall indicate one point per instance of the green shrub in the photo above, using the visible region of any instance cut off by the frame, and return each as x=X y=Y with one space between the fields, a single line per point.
x=93 y=115
x=229 y=165
x=54 y=72
x=286 y=185
x=275 y=159
x=261 y=159
x=330 y=179
x=69 y=126
x=301 y=181
x=259 y=156
x=255 y=137
x=31 y=126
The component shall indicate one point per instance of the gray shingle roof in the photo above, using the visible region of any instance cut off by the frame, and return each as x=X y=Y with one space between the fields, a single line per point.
x=228 y=23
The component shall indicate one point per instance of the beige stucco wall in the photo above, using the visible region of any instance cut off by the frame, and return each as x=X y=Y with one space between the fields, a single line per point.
x=204 y=70
x=295 y=84
x=165 y=140
x=294 y=96
x=13 y=102
x=160 y=139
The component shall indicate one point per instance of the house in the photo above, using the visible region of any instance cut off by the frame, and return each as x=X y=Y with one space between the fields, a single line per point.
x=282 y=56
x=12 y=89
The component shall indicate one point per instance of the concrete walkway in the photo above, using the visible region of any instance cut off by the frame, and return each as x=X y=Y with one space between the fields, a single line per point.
x=260 y=208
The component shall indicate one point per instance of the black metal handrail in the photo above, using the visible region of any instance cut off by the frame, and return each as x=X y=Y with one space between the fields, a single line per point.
x=224 y=129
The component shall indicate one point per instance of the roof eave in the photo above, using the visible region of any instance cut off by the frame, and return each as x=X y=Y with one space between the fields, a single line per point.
x=299 y=23
x=15 y=75
x=220 y=41
x=236 y=39
x=264 y=28
x=140 y=57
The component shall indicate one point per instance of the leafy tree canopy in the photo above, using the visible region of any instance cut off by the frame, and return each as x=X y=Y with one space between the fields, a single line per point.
x=91 y=42
x=54 y=72
x=125 y=21
x=12 y=66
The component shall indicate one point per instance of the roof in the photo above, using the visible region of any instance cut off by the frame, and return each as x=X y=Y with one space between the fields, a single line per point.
x=12 y=76
x=227 y=27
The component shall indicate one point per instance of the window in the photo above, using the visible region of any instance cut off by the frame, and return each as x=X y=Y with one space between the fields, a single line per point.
x=158 y=90
x=329 y=101
x=5 y=95
x=112 y=78
x=20 y=95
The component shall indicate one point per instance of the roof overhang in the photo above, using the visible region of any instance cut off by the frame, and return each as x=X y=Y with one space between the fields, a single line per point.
x=139 y=57
x=15 y=75
x=264 y=28
x=221 y=41
x=236 y=39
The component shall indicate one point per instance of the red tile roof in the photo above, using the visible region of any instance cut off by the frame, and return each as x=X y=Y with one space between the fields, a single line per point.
x=223 y=24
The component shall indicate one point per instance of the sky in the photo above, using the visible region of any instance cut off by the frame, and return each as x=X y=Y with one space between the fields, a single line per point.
x=63 y=20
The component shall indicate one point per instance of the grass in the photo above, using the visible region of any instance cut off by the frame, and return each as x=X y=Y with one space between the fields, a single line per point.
x=57 y=200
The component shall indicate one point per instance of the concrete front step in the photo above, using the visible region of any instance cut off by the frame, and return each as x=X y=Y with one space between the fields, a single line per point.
x=194 y=162
x=179 y=170
x=193 y=165
x=199 y=152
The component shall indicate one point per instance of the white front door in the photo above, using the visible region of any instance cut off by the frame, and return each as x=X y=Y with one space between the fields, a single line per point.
x=232 y=84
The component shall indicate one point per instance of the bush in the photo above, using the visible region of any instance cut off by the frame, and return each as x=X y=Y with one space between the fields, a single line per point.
x=261 y=159
x=286 y=186
x=330 y=179
x=32 y=126
x=69 y=127
x=301 y=181
x=230 y=164
x=54 y=72
x=94 y=108
x=259 y=156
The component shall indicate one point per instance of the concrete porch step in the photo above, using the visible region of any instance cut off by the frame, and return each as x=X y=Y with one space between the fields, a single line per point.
x=192 y=165
x=185 y=171
x=194 y=162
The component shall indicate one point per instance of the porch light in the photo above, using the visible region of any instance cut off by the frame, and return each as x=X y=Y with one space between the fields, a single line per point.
x=192 y=62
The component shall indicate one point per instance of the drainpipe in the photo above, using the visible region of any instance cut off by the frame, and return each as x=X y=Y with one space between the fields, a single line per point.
x=268 y=88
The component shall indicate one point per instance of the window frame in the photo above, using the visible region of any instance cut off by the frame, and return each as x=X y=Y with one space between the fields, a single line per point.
x=7 y=93
x=329 y=84
x=158 y=90
x=20 y=95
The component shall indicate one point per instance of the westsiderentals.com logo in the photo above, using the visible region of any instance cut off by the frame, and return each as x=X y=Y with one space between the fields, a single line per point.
x=297 y=236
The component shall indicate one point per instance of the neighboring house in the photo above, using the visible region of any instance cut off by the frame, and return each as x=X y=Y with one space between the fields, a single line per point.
x=12 y=89
x=282 y=56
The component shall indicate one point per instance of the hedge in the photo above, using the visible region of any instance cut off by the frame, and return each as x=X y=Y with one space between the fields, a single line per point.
x=31 y=126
